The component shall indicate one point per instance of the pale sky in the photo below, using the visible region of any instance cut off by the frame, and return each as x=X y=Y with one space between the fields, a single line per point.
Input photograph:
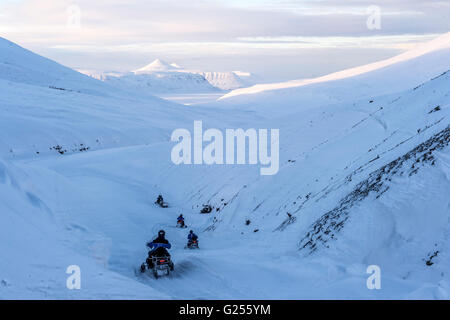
x=275 y=39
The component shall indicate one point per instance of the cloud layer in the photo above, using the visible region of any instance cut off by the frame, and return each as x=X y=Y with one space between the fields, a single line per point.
x=213 y=31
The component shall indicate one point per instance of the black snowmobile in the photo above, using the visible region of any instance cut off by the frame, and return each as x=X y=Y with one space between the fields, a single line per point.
x=192 y=244
x=206 y=209
x=160 y=201
x=192 y=241
x=180 y=222
x=160 y=266
x=159 y=260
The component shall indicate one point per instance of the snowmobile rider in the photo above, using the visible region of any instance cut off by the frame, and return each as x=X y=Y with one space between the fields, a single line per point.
x=159 y=248
x=160 y=200
x=192 y=237
x=180 y=220
x=159 y=245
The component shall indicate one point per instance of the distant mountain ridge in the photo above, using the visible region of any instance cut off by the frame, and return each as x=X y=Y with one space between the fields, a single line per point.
x=160 y=76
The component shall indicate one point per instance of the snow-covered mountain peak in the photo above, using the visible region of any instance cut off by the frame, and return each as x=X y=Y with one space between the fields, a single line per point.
x=157 y=65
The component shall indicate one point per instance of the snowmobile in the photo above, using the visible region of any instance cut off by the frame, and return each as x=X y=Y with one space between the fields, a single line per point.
x=180 y=224
x=206 y=209
x=193 y=244
x=161 y=203
x=158 y=260
x=159 y=265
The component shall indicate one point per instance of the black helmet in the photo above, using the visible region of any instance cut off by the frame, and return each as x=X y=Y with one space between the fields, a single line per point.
x=161 y=233
x=191 y=231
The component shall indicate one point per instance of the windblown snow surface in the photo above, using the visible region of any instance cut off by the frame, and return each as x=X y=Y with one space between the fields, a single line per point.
x=364 y=180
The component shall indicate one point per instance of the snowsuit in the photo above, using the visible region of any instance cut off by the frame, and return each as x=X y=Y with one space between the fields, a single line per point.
x=180 y=220
x=159 y=246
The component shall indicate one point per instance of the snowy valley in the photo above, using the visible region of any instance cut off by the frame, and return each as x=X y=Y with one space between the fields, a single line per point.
x=364 y=179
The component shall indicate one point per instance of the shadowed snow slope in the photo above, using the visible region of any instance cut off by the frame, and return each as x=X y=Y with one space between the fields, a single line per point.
x=22 y=66
x=364 y=180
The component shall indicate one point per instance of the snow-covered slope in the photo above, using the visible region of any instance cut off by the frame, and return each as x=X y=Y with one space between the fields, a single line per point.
x=35 y=254
x=364 y=180
x=22 y=66
x=404 y=71
x=61 y=109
